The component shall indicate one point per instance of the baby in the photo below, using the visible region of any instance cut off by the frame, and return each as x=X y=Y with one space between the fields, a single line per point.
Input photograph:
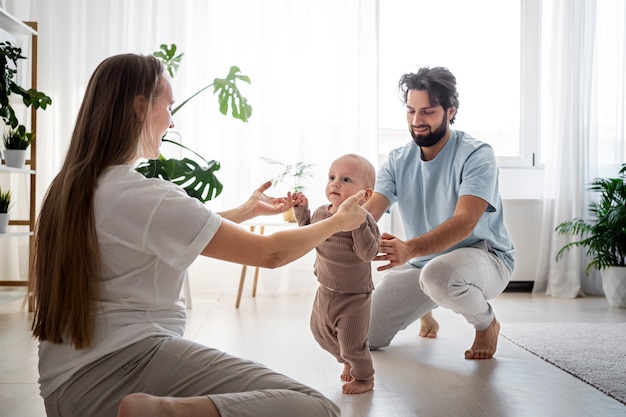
x=341 y=310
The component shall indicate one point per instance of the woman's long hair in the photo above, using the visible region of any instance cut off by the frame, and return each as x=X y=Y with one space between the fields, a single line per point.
x=64 y=273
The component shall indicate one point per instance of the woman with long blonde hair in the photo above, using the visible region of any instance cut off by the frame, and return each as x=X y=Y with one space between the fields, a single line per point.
x=112 y=249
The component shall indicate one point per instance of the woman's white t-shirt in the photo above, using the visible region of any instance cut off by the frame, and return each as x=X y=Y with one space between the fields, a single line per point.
x=149 y=232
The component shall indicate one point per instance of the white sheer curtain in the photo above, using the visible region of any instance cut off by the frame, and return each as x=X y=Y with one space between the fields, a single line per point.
x=583 y=98
x=312 y=64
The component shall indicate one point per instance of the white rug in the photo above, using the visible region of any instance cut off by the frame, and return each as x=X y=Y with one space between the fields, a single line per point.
x=592 y=352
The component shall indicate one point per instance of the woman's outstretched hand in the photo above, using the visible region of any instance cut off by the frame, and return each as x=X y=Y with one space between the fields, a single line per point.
x=264 y=205
x=351 y=213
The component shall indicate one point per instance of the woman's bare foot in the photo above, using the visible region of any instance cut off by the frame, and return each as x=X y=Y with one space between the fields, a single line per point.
x=485 y=343
x=357 y=387
x=139 y=405
x=346 y=375
x=428 y=326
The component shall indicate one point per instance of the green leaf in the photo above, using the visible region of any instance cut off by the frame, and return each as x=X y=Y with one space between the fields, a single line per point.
x=198 y=181
x=9 y=55
x=228 y=94
x=167 y=55
x=17 y=138
x=5 y=201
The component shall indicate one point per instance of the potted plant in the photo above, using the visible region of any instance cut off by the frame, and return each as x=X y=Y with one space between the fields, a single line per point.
x=16 y=143
x=197 y=178
x=9 y=57
x=5 y=203
x=293 y=173
x=17 y=138
x=604 y=236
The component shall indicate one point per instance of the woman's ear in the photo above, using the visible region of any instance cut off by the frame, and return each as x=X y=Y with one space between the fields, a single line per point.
x=140 y=104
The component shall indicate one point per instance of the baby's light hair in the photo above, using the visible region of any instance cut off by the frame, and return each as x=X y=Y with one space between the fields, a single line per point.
x=368 y=172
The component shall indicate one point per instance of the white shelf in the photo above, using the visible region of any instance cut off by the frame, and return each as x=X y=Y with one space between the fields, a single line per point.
x=4 y=168
x=7 y=296
x=15 y=234
x=10 y=23
x=17 y=28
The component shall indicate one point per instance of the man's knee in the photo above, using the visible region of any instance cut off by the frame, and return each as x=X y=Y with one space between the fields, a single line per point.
x=376 y=346
x=436 y=274
x=377 y=340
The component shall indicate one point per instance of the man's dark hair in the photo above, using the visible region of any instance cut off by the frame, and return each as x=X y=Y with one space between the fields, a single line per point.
x=439 y=82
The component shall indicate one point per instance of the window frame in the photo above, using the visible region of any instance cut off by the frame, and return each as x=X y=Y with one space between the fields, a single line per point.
x=530 y=89
x=530 y=96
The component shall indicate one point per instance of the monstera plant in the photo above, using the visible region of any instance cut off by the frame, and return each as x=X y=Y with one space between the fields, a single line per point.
x=197 y=178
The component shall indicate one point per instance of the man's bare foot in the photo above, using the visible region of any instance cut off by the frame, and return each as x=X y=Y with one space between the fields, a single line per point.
x=139 y=405
x=485 y=343
x=428 y=326
x=345 y=374
x=357 y=387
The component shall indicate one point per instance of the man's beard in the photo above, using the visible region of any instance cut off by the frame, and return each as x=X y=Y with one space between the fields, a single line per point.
x=433 y=137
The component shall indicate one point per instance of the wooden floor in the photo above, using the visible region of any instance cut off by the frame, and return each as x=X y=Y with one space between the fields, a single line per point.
x=414 y=376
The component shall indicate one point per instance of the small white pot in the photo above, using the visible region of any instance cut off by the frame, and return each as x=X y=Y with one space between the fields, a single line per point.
x=15 y=158
x=289 y=216
x=614 y=285
x=4 y=222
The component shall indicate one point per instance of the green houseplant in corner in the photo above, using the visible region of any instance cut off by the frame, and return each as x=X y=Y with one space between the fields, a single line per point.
x=604 y=236
x=197 y=178
x=5 y=203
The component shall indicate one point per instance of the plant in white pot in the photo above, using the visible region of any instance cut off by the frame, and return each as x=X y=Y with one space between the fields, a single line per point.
x=5 y=203
x=294 y=174
x=16 y=143
x=604 y=236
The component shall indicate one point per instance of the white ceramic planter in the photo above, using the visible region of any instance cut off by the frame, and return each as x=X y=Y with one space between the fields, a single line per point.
x=614 y=285
x=289 y=216
x=4 y=222
x=15 y=158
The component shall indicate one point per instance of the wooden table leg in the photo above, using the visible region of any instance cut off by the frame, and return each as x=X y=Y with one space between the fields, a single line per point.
x=241 y=281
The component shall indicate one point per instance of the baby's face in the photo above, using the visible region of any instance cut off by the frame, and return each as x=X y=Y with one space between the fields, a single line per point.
x=345 y=178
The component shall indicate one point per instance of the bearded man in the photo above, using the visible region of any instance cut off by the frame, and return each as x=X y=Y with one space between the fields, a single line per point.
x=456 y=252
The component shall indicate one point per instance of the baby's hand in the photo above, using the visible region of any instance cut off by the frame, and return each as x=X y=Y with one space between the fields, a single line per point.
x=299 y=200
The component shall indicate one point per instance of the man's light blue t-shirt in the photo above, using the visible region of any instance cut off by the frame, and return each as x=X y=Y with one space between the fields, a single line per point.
x=427 y=191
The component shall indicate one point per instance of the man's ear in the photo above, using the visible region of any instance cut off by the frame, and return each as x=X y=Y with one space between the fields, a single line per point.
x=451 y=113
x=140 y=104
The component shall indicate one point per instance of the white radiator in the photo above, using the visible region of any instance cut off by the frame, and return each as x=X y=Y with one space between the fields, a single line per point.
x=523 y=219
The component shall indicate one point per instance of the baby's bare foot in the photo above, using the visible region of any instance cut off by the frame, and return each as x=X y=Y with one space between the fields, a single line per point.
x=346 y=375
x=485 y=343
x=428 y=326
x=357 y=387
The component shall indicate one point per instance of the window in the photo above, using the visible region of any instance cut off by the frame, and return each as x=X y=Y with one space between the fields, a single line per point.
x=492 y=48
